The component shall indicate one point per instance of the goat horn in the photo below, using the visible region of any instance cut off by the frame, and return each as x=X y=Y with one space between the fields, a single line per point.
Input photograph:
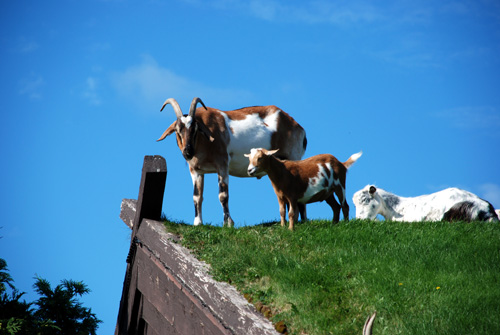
x=175 y=105
x=192 y=109
x=367 y=329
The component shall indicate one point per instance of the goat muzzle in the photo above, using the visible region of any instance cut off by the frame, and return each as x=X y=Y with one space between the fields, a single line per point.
x=188 y=152
x=251 y=171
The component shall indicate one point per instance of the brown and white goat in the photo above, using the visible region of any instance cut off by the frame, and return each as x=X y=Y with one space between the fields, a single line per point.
x=226 y=137
x=301 y=182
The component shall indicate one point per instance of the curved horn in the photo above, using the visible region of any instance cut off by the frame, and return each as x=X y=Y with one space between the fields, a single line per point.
x=175 y=105
x=192 y=109
x=367 y=329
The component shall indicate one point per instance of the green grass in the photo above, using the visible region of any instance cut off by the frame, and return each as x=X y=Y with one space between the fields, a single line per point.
x=421 y=278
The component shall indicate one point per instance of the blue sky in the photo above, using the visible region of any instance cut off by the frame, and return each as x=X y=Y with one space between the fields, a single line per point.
x=414 y=84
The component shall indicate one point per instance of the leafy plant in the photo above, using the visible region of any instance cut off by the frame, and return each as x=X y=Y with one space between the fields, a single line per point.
x=62 y=309
x=57 y=310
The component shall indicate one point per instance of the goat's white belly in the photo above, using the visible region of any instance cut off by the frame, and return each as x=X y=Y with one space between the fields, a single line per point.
x=238 y=166
x=320 y=183
x=251 y=132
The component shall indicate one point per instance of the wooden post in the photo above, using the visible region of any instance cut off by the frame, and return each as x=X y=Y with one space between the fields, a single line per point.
x=148 y=206
x=150 y=199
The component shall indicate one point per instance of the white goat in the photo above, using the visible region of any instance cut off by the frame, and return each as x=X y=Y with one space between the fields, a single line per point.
x=301 y=182
x=448 y=204
x=227 y=136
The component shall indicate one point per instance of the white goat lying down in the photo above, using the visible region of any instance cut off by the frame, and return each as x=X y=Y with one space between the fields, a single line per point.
x=448 y=204
x=301 y=182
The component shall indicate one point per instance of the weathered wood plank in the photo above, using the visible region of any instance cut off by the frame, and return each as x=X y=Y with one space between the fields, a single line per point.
x=155 y=322
x=128 y=212
x=223 y=301
x=181 y=313
x=126 y=318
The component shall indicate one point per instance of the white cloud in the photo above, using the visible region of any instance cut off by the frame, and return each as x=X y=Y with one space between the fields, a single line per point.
x=148 y=81
x=417 y=58
x=90 y=91
x=27 y=47
x=32 y=86
x=411 y=21
x=353 y=12
x=266 y=10
x=311 y=12
x=23 y=45
x=148 y=85
x=491 y=192
x=472 y=117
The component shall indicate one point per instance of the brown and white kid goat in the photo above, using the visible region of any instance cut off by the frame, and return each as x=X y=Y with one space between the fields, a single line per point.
x=214 y=141
x=301 y=182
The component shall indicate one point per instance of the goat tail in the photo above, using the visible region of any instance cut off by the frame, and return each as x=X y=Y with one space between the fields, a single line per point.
x=352 y=159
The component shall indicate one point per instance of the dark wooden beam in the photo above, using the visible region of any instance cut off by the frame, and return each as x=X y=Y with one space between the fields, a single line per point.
x=148 y=205
x=152 y=187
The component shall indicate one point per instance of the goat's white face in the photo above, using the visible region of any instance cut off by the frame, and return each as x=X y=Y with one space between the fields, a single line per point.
x=256 y=157
x=186 y=130
x=187 y=121
x=368 y=203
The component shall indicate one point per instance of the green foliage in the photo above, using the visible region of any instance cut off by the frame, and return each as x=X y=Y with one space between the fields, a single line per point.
x=421 y=278
x=58 y=311
x=15 y=315
x=5 y=277
x=61 y=307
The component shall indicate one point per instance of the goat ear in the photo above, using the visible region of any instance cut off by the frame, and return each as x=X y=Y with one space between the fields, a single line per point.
x=246 y=155
x=373 y=189
x=170 y=130
x=205 y=131
x=271 y=152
